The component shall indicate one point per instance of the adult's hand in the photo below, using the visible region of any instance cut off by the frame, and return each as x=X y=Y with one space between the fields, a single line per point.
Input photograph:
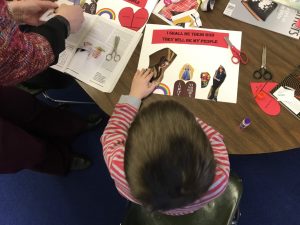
x=29 y=11
x=72 y=13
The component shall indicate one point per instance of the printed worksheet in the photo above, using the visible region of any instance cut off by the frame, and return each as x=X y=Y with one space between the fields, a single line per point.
x=98 y=53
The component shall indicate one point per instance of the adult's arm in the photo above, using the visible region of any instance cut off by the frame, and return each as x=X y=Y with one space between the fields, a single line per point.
x=23 y=55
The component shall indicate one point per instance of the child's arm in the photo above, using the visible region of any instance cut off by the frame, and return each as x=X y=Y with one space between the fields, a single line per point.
x=115 y=133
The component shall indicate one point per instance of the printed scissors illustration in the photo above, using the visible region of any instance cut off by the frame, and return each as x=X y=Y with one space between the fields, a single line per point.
x=114 y=55
x=237 y=55
x=262 y=71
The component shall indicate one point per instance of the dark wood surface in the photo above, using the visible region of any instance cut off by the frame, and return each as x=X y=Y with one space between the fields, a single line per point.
x=266 y=133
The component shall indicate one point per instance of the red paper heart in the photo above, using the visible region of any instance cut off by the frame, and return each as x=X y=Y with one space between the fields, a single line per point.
x=261 y=92
x=139 y=3
x=131 y=20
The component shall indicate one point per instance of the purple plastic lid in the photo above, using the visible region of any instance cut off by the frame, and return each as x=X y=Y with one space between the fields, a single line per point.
x=247 y=120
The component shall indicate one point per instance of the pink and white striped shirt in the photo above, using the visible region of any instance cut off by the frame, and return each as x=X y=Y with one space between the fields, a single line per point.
x=113 y=142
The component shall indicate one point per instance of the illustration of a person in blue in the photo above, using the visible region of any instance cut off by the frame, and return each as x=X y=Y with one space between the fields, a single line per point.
x=218 y=79
x=186 y=72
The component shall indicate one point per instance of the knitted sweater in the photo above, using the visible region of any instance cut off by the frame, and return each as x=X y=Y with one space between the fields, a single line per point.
x=113 y=142
x=23 y=55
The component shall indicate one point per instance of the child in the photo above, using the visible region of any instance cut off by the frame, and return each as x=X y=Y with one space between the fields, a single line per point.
x=163 y=157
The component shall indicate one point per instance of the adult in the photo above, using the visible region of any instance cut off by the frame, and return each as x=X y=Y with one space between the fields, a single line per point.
x=32 y=135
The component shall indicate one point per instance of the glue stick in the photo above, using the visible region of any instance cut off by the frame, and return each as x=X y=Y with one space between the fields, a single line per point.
x=245 y=123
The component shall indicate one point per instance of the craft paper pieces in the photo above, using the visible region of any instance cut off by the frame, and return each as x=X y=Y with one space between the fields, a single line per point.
x=198 y=51
x=139 y=3
x=133 y=20
x=261 y=93
x=184 y=89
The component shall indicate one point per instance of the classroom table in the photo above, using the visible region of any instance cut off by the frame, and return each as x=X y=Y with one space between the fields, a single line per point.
x=266 y=133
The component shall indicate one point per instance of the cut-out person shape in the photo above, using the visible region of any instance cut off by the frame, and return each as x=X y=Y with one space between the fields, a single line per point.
x=218 y=79
x=186 y=73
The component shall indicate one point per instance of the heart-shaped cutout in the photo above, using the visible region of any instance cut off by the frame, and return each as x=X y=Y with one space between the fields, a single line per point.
x=139 y=3
x=131 y=20
x=184 y=89
x=261 y=93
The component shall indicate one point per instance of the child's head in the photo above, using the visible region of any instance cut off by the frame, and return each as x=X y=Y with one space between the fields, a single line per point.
x=168 y=158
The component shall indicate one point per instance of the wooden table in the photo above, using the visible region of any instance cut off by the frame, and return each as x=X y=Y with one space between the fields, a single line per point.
x=266 y=133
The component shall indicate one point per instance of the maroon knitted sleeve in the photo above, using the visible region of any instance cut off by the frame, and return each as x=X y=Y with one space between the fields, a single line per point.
x=22 y=55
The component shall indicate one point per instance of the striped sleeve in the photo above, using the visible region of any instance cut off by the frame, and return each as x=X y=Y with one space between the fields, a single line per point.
x=113 y=143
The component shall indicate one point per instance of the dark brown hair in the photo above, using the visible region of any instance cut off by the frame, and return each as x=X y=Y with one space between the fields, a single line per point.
x=168 y=158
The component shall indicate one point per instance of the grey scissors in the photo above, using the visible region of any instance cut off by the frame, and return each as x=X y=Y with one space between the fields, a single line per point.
x=114 y=55
x=262 y=71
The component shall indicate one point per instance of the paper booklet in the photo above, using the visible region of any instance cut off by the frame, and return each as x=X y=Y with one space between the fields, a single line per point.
x=287 y=92
x=266 y=14
x=193 y=63
x=89 y=54
x=290 y=3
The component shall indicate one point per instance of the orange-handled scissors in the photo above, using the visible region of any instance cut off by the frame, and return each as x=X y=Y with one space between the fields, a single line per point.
x=237 y=55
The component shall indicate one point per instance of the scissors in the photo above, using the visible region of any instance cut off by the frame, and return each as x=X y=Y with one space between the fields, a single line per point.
x=114 y=55
x=237 y=55
x=262 y=71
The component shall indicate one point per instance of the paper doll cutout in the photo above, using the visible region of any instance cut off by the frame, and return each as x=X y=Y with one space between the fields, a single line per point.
x=139 y=3
x=218 y=79
x=131 y=20
x=184 y=89
x=159 y=62
x=186 y=72
x=205 y=78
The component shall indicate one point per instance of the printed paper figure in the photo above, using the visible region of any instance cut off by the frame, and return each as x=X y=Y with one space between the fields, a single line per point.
x=89 y=8
x=160 y=61
x=173 y=8
x=186 y=73
x=89 y=50
x=184 y=89
x=218 y=79
x=205 y=78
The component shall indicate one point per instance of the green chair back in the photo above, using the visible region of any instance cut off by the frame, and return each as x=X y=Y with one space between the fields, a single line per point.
x=220 y=211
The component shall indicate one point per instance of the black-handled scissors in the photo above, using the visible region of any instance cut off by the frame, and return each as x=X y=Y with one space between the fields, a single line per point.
x=262 y=71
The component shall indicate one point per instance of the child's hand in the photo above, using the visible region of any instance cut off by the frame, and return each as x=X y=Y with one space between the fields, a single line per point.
x=141 y=86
